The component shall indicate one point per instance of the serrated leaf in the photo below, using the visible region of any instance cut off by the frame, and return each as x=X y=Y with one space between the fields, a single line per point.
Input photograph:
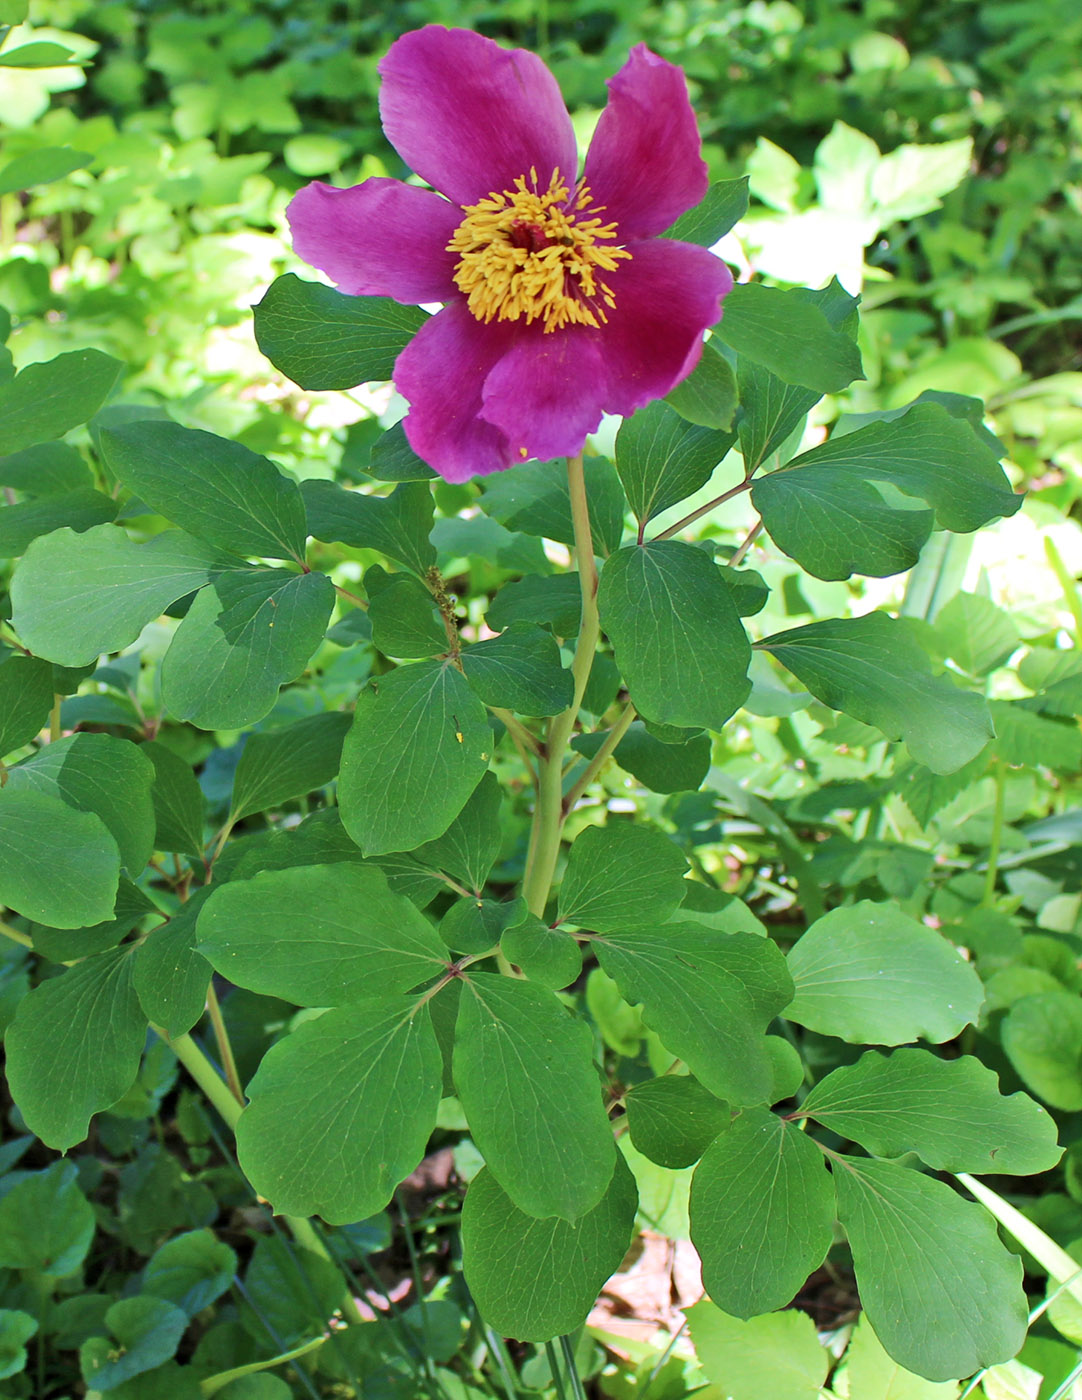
x=1029 y=740
x=871 y=667
x=950 y=1112
x=868 y=973
x=673 y=1119
x=171 y=976
x=419 y=745
x=523 y=1068
x=977 y=634
x=73 y=1048
x=520 y=670
x=58 y=865
x=75 y=596
x=677 y=637
x=662 y=459
x=535 y=497
x=398 y=525
x=214 y=489
x=26 y=697
x=77 y=510
x=101 y=774
x=709 y=996
x=44 y=400
x=245 y=635
x=941 y=1290
x=790 y=336
x=285 y=763
x=708 y=397
x=762 y=1213
x=46 y=1223
x=469 y=847
x=354 y=934
x=179 y=804
x=777 y=1357
x=830 y=508
x=375 y=1062
x=621 y=874
x=322 y=339
x=721 y=208
x=537 y=1279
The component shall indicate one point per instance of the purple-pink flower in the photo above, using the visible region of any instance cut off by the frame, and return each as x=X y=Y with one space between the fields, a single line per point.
x=560 y=300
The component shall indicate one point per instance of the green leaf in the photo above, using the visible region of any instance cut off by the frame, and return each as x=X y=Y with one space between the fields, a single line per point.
x=950 y=1112
x=101 y=774
x=145 y=1331
x=662 y=459
x=673 y=1119
x=708 y=397
x=179 y=805
x=191 y=1270
x=73 y=1048
x=872 y=1375
x=75 y=596
x=44 y=400
x=538 y=1279
x=285 y=763
x=245 y=635
x=721 y=208
x=546 y=955
x=332 y=1080
x=476 y=925
x=523 y=1068
x=790 y=336
x=26 y=697
x=554 y=602
x=520 y=670
x=78 y=510
x=621 y=874
x=851 y=505
x=397 y=525
x=51 y=163
x=46 y=1223
x=43 y=55
x=403 y=615
x=46 y=469
x=170 y=976
x=677 y=637
x=16 y=1329
x=1042 y=1037
x=322 y=339
x=1031 y=740
x=469 y=847
x=762 y=1213
x=870 y=974
x=216 y=490
x=66 y=945
x=535 y=497
x=709 y=996
x=975 y=633
x=58 y=865
x=393 y=459
x=354 y=933
x=659 y=767
x=872 y=668
x=941 y=1290
x=777 y=1357
x=291 y=1289
x=419 y=745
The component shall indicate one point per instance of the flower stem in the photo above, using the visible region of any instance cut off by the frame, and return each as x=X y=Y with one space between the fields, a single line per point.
x=700 y=511
x=604 y=753
x=548 y=817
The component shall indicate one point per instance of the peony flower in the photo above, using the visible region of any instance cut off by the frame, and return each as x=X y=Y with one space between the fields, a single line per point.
x=560 y=300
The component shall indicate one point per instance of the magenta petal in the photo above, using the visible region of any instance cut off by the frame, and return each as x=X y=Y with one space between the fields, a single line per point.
x=441 y=373
x=667 y=295
x=644 y=166
x=546 y=393
x=471 y=117
x=381 y=238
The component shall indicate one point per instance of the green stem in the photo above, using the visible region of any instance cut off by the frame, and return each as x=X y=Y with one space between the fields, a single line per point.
x=16 y=935
x=225 y=1049
x=988 y=898
x=1067 y=583
x=698 y=513
x=213 y=1384
x=54 y=719
x=604 y=753
x=354 y=598
x=572 y=1368
x=517 y=730
x=548 y=817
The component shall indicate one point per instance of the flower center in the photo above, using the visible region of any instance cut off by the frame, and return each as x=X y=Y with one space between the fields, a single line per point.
x=538 y=256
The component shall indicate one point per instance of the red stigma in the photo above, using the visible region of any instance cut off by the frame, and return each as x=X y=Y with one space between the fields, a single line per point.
x=525 y=234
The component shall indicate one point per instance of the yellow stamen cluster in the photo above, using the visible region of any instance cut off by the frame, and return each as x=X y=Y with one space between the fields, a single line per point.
x=533 y=255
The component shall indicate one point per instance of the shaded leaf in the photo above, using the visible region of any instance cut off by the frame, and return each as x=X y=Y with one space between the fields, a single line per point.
x=673 y=1119
x=535 y=498
x=662 y=459
x=44 y=400
x=397 y=525
x=790 y=336
x=520 y=670
x=469 y=847
x=179 y=805
x=77 y=510
x=171 y=976
x=285 y=763
x=724 y=205
x=26 y=697
x=708 y=397
x=46 y=1223
x=620 y=874
x=58 y=865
